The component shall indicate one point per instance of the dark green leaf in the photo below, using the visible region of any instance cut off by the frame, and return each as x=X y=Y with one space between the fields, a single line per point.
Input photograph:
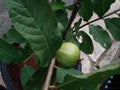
x=62 y=16
x=75 y=41
x=26 y=74
x=86 y=46
x=9 y=53
x=36 y=22
x=92 y=80
x=77 y=24
x=37 y=80
x=86 y=9
x=61 y=73
x=119 y=14
x=70 y=7
x=113 y=25
x=57 y=5
x=100 y=35
x=12 y=36
x=69 y=35
x=102 y=6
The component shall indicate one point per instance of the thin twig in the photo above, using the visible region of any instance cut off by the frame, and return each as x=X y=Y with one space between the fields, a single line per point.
x=73 y=15
x=99 y=18
x=49 y=75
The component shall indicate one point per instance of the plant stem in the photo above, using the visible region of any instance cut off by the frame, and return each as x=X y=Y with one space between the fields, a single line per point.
x=73 y=15
x=99 y=18
x=49 y=75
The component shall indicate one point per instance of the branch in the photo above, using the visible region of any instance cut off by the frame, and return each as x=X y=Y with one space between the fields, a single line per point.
x=49 y=75
x=73 y=15
x=99 y=18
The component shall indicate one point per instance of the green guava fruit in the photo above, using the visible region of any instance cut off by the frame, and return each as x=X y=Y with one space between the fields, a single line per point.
x=68 y=55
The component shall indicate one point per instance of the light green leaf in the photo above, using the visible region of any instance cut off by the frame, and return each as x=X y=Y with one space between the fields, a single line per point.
x=113 y=25
x=26 y=74
x=102 y=6
x=100 y=35
x=36 y=22
x=86 y=45
x=9 y=53
x=62 y=72
x=86 y=9
x=60 y=27
x=90 y=81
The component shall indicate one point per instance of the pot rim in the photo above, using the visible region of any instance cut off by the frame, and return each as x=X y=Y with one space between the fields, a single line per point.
x=6 y=77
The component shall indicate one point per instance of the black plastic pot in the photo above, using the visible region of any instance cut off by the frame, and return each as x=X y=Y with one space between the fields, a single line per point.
x=6 y=77
x=113 y=83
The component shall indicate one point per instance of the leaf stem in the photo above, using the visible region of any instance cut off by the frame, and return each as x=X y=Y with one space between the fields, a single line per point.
x=49 y=75
x=73 y=15
x=28 y=58
x=99 y=18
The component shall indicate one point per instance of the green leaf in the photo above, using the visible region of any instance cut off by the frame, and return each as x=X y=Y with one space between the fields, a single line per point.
x=36 y=22
x=12 y=36
x=75 y=41
x=92 y=80
x=86 y=46
x=113 y=25
x=26 y=74
x=37 y=80
x=77 y=24
x=60 y=27
x=119 y=14
x=62 y=72
x=69 y=35
x=100 y=35
x=62 y=16
x=9 y=53
x=70 y=7
x=57 y=5
x=86 y=9
x=102 y=6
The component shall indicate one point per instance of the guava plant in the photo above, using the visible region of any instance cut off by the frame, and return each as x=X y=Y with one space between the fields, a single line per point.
x=41 y=28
